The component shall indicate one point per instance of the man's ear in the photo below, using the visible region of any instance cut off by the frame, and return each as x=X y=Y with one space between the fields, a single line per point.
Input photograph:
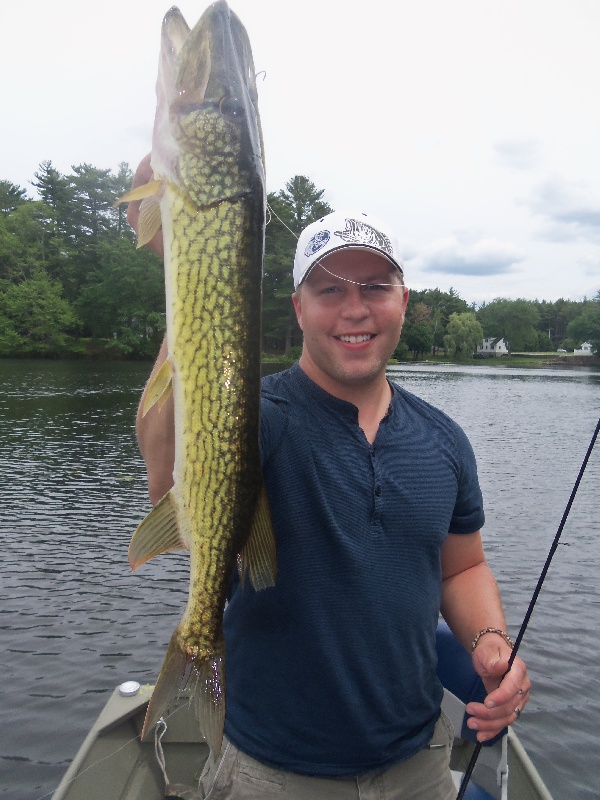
x=297 y=301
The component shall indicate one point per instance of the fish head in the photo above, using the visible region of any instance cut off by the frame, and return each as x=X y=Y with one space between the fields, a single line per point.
x=207 y=139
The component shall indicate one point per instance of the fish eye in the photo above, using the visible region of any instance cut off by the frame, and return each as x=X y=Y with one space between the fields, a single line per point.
x=231 y=107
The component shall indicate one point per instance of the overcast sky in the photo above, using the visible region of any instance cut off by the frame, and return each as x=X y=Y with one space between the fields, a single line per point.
x=472 y=126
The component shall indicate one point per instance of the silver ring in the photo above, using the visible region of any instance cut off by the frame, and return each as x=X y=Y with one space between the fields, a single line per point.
x=520 y=691
x=518 y=712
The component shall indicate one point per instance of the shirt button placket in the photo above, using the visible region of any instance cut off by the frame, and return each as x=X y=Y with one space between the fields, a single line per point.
x=376 y=519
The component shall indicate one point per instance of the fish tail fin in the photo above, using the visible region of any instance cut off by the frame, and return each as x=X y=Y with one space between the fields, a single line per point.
x=170 y=681
x=259 y=556
x=209 y=699
x=157 y=533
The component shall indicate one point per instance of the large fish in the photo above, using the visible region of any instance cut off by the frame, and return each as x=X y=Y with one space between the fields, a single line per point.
x=208 y=192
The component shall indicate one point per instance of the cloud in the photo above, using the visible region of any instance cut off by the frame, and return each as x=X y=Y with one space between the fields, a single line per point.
x=519 y=153
x=484 y=257
x=569 y=208
x=589 y=264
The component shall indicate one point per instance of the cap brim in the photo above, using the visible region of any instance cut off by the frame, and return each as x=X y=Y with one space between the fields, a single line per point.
x=364 y=247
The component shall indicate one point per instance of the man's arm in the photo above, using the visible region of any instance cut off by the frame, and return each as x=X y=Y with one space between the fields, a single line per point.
x=156 y=438
x=156 y=430
x=470 y=603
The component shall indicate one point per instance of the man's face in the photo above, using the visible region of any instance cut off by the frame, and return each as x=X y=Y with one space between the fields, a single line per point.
x=350 y=330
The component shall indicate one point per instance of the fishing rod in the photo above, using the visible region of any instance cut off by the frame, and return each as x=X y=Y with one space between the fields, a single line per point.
x=532 y=602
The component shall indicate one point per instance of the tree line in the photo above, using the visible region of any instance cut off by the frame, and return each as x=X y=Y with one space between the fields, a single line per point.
x=73 y=283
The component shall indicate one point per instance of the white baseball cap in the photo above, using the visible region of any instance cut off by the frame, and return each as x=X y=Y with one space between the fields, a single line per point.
x=339 y=230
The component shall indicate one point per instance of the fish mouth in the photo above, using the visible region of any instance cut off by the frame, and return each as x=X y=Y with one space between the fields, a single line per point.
x=207 y=110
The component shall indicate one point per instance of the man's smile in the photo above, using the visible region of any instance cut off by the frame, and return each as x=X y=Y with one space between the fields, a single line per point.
x=355 y=339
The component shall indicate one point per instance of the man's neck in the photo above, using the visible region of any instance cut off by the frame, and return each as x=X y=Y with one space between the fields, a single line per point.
x=372 y=410
x=372 y=398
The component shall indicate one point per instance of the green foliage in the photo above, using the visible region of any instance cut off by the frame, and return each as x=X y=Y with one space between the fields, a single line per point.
x=72 y=282
x=34 y=317
x=463 y=335
x=514 y=320
x=440 y=305
x=11 y=196
x=419 y=338
x=427 y=316
x=555 y=318
x=291 y=210
x=68 y=266
x=123 y=299
x=586 y=327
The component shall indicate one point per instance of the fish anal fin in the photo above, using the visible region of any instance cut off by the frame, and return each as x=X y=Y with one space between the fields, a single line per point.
x=259 y=555
x=159 y=388
x=157 y=533
x=209 y=699
x=170 y=681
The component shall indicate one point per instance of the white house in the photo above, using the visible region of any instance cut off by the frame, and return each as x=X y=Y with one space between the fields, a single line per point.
x=584 y=350
x=493 y=346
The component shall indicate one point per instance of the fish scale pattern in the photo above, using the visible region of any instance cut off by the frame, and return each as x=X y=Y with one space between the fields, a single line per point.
x=216 y=377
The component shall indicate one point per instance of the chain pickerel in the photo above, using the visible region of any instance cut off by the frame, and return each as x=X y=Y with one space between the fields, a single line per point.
x=208 y=193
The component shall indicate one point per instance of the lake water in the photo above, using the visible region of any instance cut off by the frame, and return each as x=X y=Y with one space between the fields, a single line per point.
x=75 y=621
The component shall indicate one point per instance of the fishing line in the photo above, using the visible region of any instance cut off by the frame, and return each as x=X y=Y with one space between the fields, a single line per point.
x=110 y=755
x=538 y=588
x=320 y=263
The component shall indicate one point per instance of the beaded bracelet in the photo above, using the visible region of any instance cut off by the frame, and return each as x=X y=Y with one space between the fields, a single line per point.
x=503 y=634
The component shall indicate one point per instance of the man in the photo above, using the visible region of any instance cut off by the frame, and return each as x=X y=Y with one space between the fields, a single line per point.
x=331 y=685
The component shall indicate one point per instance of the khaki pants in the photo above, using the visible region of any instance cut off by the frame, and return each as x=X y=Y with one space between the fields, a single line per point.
x=425 y=776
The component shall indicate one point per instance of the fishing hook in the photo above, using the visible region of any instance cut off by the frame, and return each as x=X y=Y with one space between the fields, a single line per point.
x=532 y=602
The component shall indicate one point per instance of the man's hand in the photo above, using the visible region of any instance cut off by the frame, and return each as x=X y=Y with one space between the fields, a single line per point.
x=507 y=692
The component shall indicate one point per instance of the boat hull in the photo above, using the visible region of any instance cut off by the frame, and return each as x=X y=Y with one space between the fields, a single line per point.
x=114 y=762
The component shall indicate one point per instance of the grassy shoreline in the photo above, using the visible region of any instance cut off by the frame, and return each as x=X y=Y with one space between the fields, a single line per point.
x=513 y=360
x=530 y=360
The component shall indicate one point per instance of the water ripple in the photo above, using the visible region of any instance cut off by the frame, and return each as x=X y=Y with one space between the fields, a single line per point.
x=76 y=621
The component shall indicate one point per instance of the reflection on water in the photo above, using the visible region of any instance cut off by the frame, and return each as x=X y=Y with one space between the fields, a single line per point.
x=75 y=621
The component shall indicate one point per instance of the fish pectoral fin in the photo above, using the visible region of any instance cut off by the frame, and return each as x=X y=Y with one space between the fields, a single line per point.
x=170 y=681
x=160 y=388
x=259 y=555
x=149 y=221
x=150 y=189
x=157 y=533
x=209 y=699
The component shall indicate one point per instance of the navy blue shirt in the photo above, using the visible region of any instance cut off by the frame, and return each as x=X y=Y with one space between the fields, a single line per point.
x=333 y=671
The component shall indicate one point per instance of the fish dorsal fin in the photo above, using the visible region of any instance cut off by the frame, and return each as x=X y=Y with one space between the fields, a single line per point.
x=157 y=533
x=159 y=388
x=259 y=555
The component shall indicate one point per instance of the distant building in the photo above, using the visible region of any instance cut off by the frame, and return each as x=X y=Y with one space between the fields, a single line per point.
x=492 y=346
x=584 y=350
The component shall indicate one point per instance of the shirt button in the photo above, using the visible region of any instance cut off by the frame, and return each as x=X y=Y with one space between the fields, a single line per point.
x=378 y=491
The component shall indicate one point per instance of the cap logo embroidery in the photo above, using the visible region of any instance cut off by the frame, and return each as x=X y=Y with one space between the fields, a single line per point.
x=318 y=242
x=357 y=232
